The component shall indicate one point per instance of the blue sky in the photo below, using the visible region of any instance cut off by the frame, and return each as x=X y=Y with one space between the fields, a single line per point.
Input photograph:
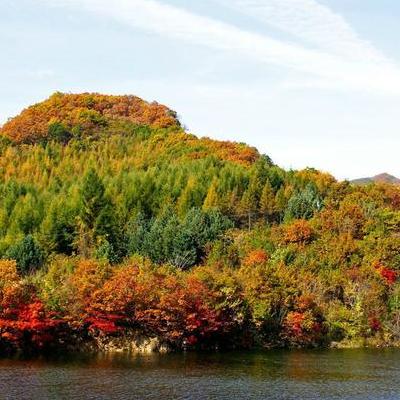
x=310 y=83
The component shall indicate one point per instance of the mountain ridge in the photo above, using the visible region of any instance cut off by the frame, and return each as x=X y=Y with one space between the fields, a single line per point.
x=380 y=178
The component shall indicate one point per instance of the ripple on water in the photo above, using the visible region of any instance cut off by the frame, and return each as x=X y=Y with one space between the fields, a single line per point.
x=327 y=374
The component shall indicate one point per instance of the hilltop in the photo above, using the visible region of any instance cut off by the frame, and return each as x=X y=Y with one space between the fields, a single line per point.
x=88 y=116
x=85 y=112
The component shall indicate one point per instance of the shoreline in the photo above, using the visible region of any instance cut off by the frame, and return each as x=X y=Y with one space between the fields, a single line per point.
x=138 y=344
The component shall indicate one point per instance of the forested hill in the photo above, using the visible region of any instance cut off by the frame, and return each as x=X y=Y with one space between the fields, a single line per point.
x=114 y=219
x=88 y=117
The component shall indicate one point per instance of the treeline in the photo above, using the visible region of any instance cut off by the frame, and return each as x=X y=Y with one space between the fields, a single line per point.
x=118 y=224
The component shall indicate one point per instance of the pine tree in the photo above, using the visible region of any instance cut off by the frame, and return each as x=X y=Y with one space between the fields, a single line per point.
x=27 y=254
x=280 y=202
x=58 y=228
x=211 y=200
x=189 y=197
x=93 y=199
x=303 y=203
x=96 y=217
x=267 y=201
x=250 y=201
x=26 y=216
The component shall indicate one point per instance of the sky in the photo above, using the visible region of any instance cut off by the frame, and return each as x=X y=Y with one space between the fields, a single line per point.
x=311 y=83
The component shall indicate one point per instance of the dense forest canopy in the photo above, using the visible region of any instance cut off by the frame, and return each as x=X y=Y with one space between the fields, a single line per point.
x=113 y=218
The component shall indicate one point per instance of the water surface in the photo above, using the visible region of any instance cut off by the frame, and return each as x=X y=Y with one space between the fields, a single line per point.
x=325 y=374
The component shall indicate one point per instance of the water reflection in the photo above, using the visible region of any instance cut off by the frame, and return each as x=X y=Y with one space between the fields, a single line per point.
x=325 y=374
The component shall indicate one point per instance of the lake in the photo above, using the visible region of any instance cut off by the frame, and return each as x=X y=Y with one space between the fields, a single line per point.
x=322 y=374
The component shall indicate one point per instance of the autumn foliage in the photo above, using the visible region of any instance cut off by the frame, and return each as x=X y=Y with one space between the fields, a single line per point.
x=178 y=308
x=86 y=111
x=24 y=321
x=255 y=257
x=305 y=325
x=115 y=221
x=298 y=231
x=387 y=274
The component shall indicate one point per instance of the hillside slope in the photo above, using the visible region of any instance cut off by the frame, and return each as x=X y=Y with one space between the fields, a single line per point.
x=117 y=224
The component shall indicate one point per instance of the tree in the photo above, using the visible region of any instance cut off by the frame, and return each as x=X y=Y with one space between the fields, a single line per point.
x=303 y=204
x=138 y=227
x=267 y=201
x=211 y=200
x=281 y=200
x=59 y=133
x=250 y=201
x=96 y=214
x=58 y=227
x=27 y=215
x=189 y=198
x=93 y=199
x=195 y=231
x=27 y=253
x=158 y=241
x=299 y=231
x=178 y=242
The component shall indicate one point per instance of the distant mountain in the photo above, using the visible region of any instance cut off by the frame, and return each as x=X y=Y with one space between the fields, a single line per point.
x=381 y=178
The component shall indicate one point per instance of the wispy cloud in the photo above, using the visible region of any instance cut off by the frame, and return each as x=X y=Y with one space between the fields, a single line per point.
x=342 y=59
x=312 y=22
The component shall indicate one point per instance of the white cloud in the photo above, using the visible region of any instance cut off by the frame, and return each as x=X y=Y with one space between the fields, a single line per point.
x=324 y=65
x=312 y=22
